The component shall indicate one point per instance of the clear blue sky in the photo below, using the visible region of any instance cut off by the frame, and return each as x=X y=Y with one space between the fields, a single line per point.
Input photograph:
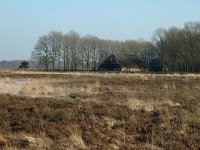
x=23 y=21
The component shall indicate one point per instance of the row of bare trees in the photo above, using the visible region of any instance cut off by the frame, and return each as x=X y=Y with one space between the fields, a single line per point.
x=179 y=48
x=58 y=51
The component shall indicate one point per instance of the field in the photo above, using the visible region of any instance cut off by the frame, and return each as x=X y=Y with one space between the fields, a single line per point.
x=43 y=110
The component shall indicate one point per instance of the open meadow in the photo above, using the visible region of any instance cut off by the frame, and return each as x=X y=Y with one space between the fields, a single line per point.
x=57 y=111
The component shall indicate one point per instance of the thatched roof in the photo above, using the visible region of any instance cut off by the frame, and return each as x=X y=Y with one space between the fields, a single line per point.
x=125 y=60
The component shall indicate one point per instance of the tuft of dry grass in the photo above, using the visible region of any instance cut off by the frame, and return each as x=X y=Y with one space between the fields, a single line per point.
x=76 y=138
x=24 y=141
x=3 y=141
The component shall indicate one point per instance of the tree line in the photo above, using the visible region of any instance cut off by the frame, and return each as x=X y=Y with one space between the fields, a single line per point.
x=177 y=48
x=58 y=51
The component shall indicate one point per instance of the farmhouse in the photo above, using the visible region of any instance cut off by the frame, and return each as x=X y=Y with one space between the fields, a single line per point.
x=124 y=63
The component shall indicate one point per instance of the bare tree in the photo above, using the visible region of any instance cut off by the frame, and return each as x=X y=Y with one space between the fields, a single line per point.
x=55 y=43
x=83 y=46
x=74 y=39
x=65 y=51
x=86 y=45
x=42 y=52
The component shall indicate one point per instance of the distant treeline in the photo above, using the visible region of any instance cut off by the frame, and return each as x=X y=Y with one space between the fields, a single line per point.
x=177 y=48
x=72 y=52
x=15 y=64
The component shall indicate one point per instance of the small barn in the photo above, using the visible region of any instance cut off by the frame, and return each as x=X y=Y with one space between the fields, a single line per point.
x=156 y=65
x=124 y=63
x=24 y=65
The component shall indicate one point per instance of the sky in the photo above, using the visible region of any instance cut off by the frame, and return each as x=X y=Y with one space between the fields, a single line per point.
x=22 y=22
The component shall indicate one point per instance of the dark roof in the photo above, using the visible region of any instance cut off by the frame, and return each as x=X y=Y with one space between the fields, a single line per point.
x=126 y=60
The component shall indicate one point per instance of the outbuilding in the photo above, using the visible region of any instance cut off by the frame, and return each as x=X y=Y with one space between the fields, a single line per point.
x=157 y=65
x=24 y=65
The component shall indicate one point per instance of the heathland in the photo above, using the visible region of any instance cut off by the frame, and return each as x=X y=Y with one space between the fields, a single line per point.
x=49 y=110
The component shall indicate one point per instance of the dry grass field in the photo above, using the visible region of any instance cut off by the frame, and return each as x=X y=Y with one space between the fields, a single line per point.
x=58 y=111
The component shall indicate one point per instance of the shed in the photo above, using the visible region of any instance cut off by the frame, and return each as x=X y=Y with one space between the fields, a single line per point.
x=156 y=65
x=24 y=65
x=124 y=63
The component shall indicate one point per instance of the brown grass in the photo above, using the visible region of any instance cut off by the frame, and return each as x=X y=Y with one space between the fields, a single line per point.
x=99 y=111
